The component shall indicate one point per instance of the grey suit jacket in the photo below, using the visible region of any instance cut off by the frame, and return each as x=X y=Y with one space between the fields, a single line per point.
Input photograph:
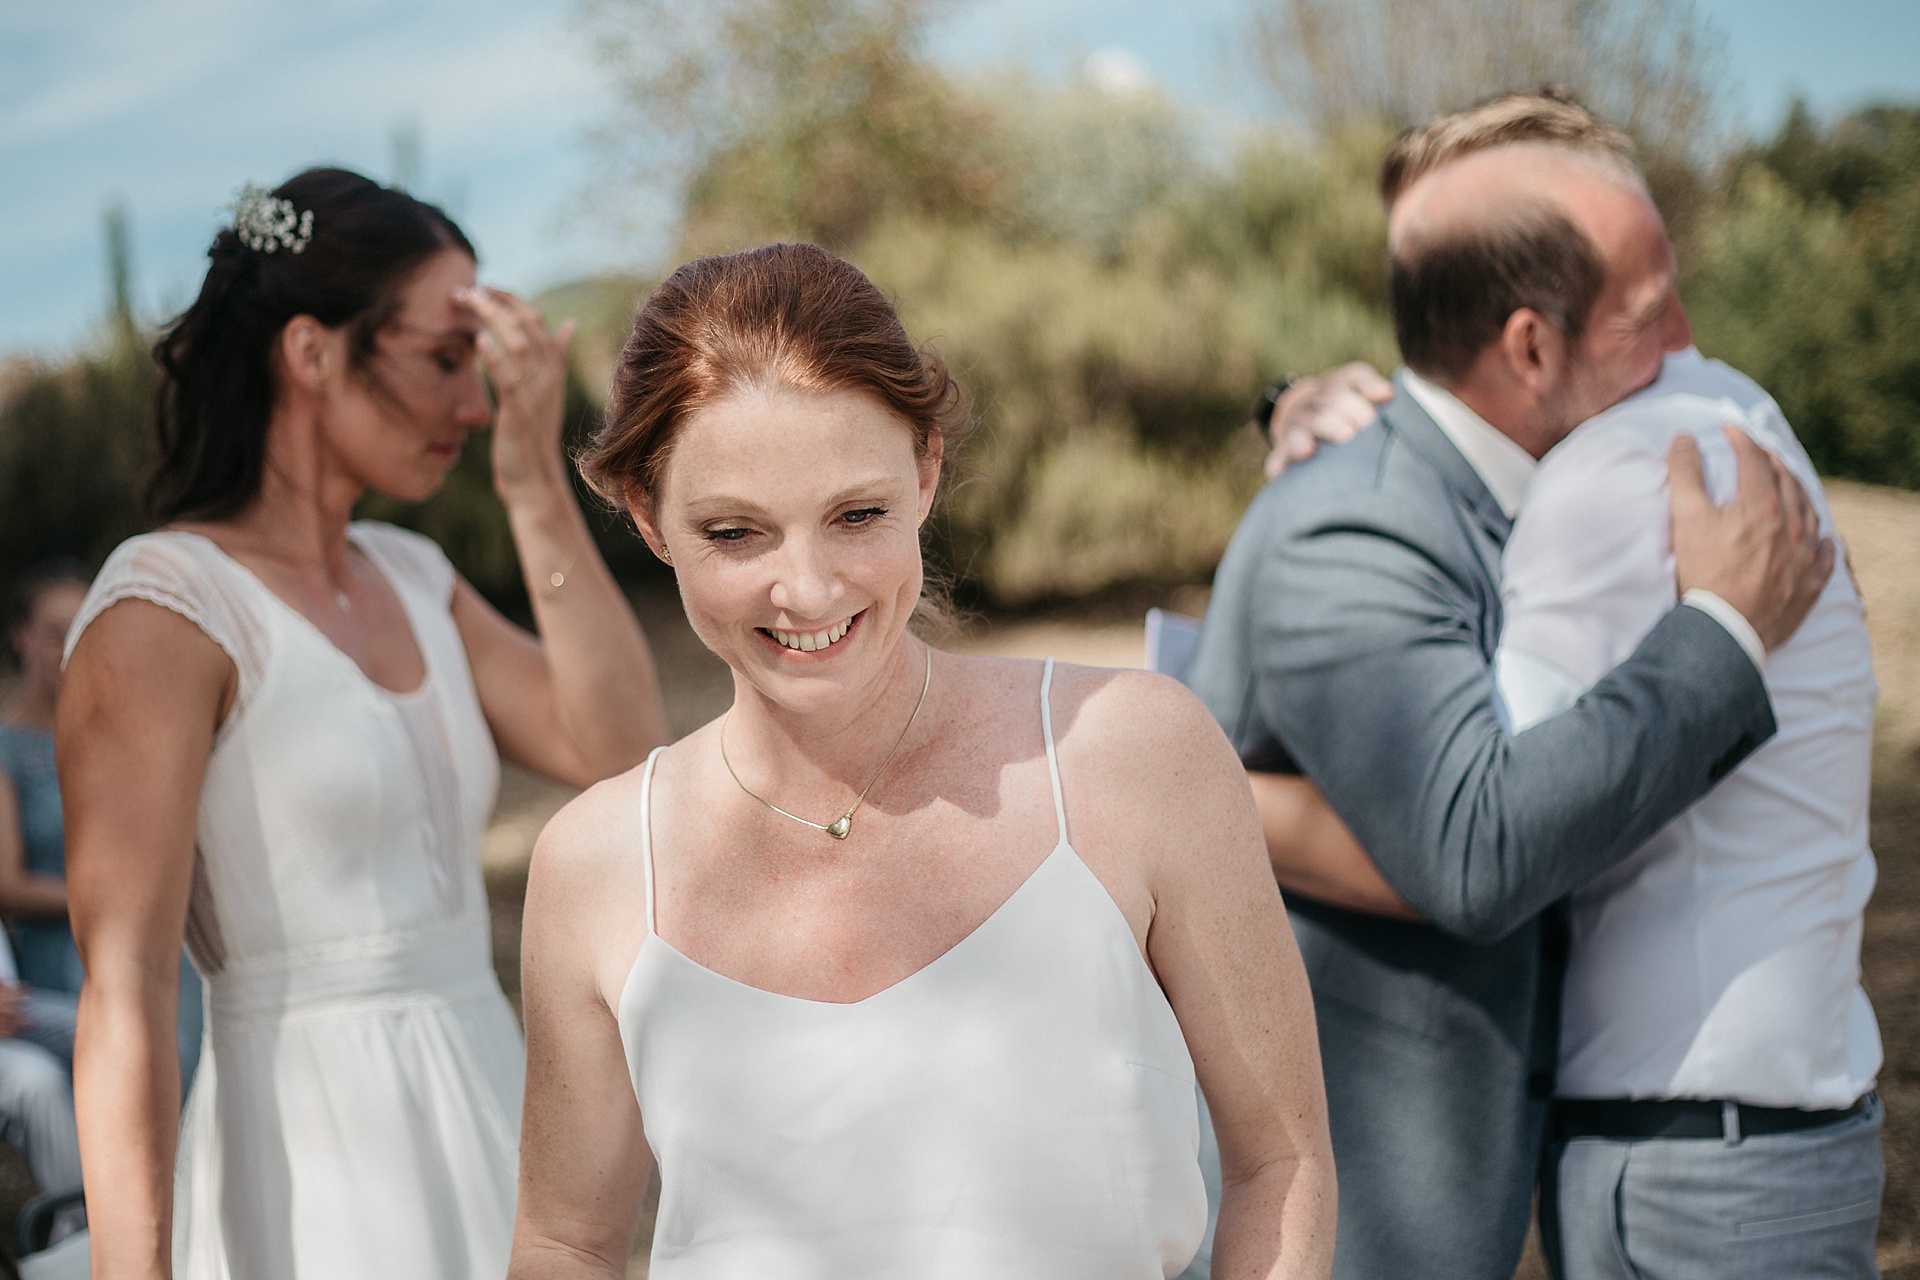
x=1350 y=638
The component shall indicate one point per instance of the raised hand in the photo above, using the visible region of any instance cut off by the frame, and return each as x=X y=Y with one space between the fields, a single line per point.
x=582 y=702
x=1329 y=407
x=528 y=369
x=1762 y=552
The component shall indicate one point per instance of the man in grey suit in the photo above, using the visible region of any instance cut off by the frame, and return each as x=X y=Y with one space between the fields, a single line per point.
x=1350 y=639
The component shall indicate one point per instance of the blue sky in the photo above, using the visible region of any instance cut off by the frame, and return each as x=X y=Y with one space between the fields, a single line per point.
x=169 y=105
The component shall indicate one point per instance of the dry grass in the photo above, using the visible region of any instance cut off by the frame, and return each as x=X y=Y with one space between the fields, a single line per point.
x=1882 y=529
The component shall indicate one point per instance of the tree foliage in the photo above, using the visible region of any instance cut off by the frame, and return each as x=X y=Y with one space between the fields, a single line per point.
x=73 y=448
x=1808 y=279
x=1655 y=67
x=805 y=118
x=1652 y=66
x=1111 y=280
x=1112 y=300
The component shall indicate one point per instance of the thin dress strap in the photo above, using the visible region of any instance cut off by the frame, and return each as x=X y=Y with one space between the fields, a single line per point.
x=1053 y=760
x=646 y=831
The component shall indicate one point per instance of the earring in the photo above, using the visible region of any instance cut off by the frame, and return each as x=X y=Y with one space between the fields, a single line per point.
x=664 y=555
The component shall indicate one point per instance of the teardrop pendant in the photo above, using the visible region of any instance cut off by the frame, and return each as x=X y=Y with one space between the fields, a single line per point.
x=840 y=826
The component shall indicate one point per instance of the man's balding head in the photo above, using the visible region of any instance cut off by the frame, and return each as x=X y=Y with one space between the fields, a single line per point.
x=1530 y=273
x=1517 y=225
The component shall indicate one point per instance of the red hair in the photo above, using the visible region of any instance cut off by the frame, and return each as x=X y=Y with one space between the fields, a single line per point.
x=784 y=315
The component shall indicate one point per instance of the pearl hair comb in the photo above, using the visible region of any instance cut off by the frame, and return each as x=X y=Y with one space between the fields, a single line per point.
x=266 y=223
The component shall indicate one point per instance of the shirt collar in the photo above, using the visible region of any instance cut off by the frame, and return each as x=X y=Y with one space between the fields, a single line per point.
x=1503 y=466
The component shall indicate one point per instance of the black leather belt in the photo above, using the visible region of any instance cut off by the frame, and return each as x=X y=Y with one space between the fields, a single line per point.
x=1629 y=1120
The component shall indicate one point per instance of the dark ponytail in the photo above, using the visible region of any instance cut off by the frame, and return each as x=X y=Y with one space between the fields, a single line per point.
x=216 y=358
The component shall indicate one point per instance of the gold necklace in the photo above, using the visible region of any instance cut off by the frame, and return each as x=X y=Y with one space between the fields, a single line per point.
x=841 y=826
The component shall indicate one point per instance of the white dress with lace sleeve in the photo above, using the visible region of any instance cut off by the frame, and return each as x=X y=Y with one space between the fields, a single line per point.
x=356 y=1112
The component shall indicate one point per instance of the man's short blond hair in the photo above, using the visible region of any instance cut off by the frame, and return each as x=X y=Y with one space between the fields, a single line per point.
x=1548 y=116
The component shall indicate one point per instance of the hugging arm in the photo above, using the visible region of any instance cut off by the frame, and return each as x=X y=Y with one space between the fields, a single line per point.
x=1377 y=682
x=1597 y=577
x=1314 y=854
x=1324 y=408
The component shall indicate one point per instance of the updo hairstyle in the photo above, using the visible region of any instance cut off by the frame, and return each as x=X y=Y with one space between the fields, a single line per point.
x=216 y=358
x=783 y=315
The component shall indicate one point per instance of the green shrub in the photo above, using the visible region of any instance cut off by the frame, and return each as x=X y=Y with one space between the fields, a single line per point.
x=1111 y=396
x=1808 y=279
x=73 y=447
x=1113 y=297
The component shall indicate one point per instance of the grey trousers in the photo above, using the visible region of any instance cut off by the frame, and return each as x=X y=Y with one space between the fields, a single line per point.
x=1797 y=1206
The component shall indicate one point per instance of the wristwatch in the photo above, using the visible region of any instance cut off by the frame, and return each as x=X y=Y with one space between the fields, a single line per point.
x=1269 y=400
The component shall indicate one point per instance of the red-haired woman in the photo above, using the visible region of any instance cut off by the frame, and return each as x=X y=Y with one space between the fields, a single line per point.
x=905 y=966
x=278 y=734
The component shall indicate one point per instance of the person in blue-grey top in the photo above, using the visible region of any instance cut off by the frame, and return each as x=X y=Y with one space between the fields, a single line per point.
x=33 y=865
x=33 y=862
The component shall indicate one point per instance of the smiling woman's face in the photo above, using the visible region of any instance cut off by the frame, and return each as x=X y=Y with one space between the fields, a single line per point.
x=793 y=521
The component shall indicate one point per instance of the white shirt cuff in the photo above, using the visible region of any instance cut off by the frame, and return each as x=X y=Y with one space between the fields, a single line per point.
x=1732 y=619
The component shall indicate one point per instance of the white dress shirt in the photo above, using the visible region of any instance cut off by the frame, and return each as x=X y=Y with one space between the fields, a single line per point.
x=1503 y=466
x=1507 y=469
x=1721 y=960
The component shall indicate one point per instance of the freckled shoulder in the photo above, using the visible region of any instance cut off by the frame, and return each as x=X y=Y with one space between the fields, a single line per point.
x=1145 y=750
x=591 y=847
x=1101 y=711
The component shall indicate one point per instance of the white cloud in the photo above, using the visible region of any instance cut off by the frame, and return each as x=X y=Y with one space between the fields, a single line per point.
x=1118 y=72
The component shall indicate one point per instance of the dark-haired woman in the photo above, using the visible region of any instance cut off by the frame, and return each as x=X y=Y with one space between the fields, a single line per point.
x=278 y=735
x=906 y=965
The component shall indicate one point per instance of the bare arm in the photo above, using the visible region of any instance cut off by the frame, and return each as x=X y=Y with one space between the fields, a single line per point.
x=143 y=694
x=1221 y=946
x=584 y=1159
x=582 y=701
x=24 y=892
x=1314 y=854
